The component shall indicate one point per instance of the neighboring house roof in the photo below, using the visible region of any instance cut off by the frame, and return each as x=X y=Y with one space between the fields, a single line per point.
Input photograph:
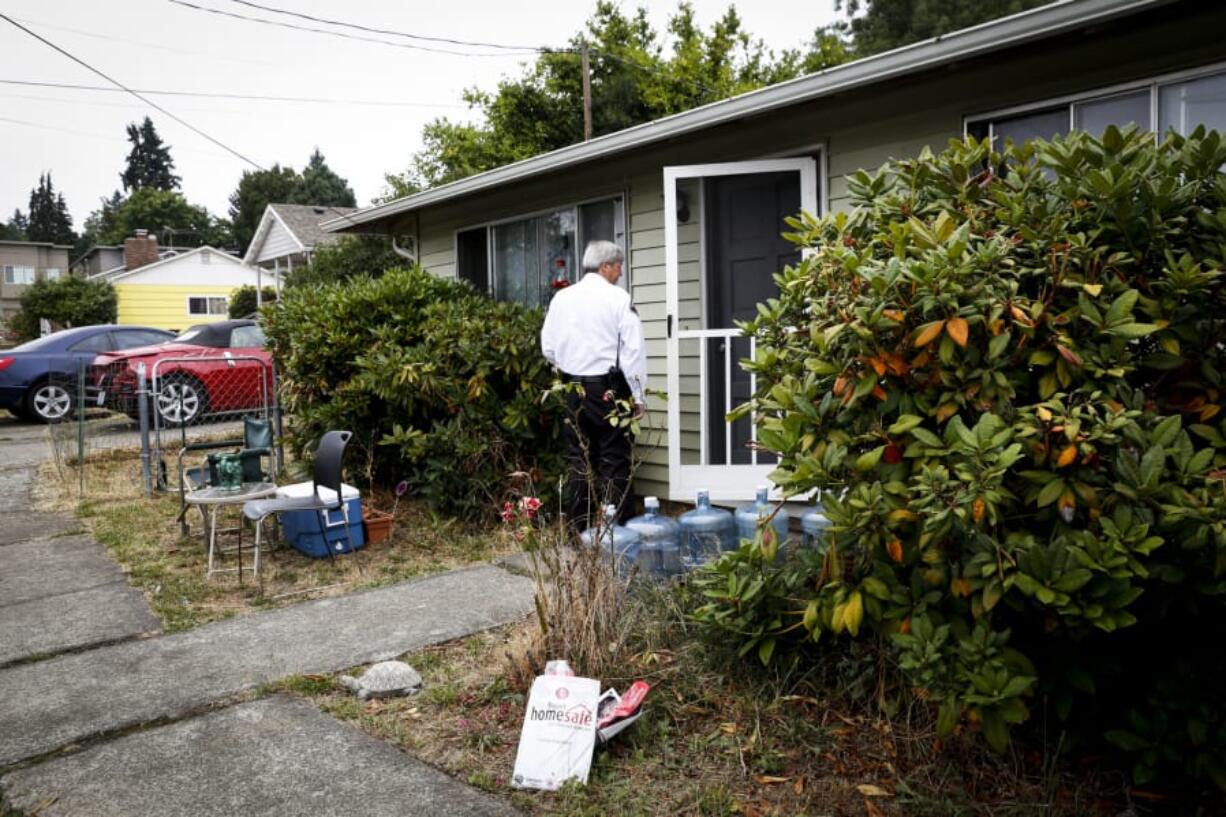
x=98 y=248
x=117 y=274
x=52 y=245
x=300 y=221
x=1040 y=23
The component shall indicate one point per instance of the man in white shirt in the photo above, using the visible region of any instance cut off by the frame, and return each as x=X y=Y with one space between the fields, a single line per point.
x=591 y=332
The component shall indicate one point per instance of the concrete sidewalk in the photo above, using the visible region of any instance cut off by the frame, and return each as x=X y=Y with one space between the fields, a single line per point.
x=272 y=758
x=52 y=703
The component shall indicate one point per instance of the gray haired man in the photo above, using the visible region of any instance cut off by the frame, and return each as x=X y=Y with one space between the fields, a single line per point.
x=594 y=336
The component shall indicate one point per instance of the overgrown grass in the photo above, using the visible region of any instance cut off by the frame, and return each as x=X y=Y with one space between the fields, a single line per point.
x=143 y=536
x=719 y=736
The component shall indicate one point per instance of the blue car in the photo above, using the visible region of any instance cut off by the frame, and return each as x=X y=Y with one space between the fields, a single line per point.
x=38 y=380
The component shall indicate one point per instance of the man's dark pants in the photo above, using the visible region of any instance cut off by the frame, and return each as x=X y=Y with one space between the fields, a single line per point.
x=596 y=448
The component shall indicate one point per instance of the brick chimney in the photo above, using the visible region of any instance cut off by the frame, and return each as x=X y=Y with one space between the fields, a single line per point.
x=140 y=250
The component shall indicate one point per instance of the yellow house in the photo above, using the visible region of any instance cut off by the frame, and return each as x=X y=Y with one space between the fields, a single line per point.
x=176 y=291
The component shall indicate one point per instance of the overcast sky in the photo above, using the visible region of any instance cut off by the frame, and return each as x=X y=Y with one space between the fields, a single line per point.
x=158 y=45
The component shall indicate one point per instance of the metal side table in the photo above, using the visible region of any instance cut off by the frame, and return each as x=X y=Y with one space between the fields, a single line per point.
x=210 y=500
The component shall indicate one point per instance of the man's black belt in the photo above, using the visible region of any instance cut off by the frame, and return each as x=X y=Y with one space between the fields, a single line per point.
x=587 y=380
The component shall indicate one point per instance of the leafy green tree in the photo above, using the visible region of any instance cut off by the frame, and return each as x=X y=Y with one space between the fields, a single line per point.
x=321 y=185
x=887 y=24
x=100 y=222
x=168 y=214
x=49 y=219
x=149 y=162
x=66 y=302
x=352 y=256
x=243 y=300
x=256 y=190
x=634 y=79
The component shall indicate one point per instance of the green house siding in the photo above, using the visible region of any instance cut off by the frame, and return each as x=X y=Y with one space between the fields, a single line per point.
x=846 y=132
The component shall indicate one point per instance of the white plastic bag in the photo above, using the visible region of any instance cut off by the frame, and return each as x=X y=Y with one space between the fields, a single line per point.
x=559 y=732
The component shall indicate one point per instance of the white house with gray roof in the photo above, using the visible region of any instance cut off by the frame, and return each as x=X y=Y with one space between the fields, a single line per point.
x=288 y=235
x=698 y=199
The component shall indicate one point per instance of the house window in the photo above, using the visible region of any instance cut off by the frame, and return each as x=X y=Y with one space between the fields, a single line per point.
x=18 y=275
x=525 y=260
x=1181 y=104
x=52 y=273
x=207 y=305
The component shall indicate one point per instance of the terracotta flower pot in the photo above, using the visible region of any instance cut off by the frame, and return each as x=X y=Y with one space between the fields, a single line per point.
x=378 y=525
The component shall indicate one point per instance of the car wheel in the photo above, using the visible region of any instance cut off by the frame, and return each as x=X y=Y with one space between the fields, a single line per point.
x=181 y=400
x=49 y=402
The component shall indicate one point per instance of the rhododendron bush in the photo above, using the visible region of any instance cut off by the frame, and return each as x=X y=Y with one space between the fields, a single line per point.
x=1006 y=367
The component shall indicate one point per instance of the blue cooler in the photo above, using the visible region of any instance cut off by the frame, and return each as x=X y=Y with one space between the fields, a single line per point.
x=301 y=528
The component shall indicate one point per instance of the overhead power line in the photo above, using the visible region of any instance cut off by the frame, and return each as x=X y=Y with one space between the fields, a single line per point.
x=254 y=97
x=136 y=94
x=523 y=50
x=148 y=102
x=343 y=35
x=373 y=30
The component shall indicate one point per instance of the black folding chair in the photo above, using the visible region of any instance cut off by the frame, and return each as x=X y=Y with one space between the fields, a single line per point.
x=327 y=474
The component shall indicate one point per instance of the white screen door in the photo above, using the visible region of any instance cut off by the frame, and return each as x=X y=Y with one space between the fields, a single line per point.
x=723 y=244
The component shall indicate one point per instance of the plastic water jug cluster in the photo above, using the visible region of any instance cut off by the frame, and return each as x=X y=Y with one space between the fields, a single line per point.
x=661 y=547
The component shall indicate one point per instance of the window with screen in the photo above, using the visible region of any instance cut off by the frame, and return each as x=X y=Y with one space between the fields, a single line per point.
x=1181 y=104
x=527 y=260
x=18 y=275
x=207 y=305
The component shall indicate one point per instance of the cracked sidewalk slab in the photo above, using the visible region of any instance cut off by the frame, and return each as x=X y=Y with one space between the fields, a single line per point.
x=64 y=594
x=274 y=757
x=75 y=697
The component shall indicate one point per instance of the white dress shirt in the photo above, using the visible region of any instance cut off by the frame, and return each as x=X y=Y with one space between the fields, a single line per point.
x=582 y=327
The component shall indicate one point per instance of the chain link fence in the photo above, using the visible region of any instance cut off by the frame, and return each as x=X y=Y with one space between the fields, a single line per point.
x=131 y=420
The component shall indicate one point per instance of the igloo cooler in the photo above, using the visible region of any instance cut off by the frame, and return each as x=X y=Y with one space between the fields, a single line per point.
x=301 y=528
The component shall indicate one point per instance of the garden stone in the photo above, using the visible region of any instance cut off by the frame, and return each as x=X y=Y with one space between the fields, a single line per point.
x=387 y=679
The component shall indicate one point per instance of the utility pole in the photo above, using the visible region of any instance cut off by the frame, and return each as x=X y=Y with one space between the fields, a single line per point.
x=587 y=93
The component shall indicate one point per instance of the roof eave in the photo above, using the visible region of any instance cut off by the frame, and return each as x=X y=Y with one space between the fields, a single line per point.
x=1061 y=16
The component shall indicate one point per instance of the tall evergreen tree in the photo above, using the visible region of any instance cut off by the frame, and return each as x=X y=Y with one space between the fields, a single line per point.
x=49 y=219
x=256 y=190
x=321 y=185
x=15 y=230
x=149 y=162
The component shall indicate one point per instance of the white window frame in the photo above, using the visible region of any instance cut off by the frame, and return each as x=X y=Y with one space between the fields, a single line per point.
x=1154 y=84
x=11 y=271
x=208 y=299
x=52 y=273
x=622 y=218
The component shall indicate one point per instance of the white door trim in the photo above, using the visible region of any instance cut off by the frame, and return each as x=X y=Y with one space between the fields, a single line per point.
x=725 y=482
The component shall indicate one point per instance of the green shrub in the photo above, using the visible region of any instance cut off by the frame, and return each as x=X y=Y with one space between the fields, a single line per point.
x=351 y=256
x=440 y=385
x=243 y=300
x=1016 y=376
x=65 y=302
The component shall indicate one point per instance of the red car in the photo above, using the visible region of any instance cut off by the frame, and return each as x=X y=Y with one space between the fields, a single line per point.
x=210 y=369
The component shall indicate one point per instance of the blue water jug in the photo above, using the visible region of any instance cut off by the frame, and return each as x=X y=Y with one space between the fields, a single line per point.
x=660 y=554
x=620 y=544
x=706 y=532
x=748 y=516
x=813 y=528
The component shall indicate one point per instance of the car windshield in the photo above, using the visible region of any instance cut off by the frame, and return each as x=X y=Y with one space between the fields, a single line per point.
x=190 y=335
